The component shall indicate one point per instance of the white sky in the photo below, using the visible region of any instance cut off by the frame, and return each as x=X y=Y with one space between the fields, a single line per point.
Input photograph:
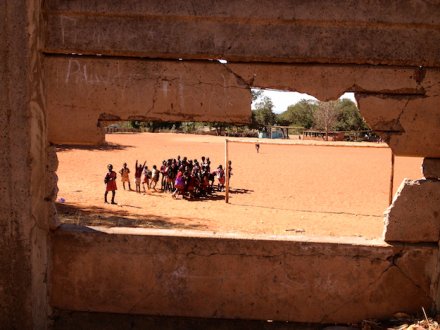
x=282 y=100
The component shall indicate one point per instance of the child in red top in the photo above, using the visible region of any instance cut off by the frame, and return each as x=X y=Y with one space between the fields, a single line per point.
x=110 y=182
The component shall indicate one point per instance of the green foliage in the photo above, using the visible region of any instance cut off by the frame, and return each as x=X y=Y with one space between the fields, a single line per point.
x=349 y=117
x=340 y=115
x=256 y=93
x=135 y=124
x=263 y=114
x=299 y=114
x=188 y=127
x=219 y=127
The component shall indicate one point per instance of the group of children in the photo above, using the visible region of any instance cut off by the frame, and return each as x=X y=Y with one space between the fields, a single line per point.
x=178 y=176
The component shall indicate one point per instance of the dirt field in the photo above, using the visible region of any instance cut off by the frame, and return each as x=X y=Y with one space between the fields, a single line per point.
x=283 y=190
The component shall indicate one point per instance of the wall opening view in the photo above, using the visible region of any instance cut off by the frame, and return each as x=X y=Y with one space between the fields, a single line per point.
x=302 y=167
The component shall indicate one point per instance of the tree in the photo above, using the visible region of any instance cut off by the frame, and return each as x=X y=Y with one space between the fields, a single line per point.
x=256 y=93
x=299 y=114
x=263 y=114
x=219 y=127
x=326 y=116
x=349 y=117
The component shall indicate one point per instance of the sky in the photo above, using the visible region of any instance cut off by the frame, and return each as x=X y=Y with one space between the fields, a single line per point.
x=282 y=100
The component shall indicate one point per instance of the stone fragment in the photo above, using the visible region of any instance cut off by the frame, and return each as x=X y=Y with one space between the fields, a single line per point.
x=414 y=215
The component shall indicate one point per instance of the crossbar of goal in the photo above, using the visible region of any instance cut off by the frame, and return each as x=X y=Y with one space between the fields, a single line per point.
x=333 y=144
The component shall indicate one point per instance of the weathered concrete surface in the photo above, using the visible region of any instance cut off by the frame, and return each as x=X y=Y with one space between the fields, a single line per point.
x=410 y=124
x=370 y=32
x=82 y=91
x=142 y=272
x=23 y=216
x=414 y=215
x=431 y=168
x=329 y=82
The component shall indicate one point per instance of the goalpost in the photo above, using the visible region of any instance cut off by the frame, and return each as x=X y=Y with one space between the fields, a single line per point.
x=271 y=142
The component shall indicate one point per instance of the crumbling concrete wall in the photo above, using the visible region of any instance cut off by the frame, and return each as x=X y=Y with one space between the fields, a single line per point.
x=398 y=95
x=83 y=91
x=23 y=209
x=141 y=271
x=414 y=215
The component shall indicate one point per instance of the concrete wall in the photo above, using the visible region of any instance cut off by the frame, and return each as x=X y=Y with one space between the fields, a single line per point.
x=373 y=32
x=398 y=96
x=140 y=271
x=83 y=91
x=23 y=209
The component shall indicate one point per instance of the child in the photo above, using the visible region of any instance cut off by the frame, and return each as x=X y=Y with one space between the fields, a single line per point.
x=220 y=173
x=229 y=171
x=154 y=177
x=110 y=182
x=257 y=146
x=163 y=172
x=125 y=171
x=137 y=175
x=147 y=177
x=179 y=184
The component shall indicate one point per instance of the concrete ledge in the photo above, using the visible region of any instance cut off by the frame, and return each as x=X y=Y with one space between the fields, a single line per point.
x=144 y=271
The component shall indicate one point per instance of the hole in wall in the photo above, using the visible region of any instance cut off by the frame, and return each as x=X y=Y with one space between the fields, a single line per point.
x=300 y=185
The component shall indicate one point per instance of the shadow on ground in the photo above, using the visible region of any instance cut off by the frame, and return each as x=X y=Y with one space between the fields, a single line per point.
x=98 y=216
x=103 y=147
x=240 y=191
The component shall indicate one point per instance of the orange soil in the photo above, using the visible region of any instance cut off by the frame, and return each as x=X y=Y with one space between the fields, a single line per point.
x=284 y=190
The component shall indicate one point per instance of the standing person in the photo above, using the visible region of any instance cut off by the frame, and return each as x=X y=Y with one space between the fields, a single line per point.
x=125 y=171
x=154 y=177
x=138 y=174
x=163 y=173
x=229 y=169
x=179 y=184
x=110 y=182
x=220 y=173
x=147 y=177
x=257 y=146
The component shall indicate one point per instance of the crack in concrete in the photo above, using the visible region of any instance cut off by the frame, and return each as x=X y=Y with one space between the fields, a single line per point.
x=393 y=259
x=349 y=301
x=248 y=84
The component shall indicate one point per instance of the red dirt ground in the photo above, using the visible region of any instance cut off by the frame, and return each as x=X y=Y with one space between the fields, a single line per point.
x=301 y=189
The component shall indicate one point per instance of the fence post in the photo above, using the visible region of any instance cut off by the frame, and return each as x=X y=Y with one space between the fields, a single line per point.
x=226 y=172
x=390 y=198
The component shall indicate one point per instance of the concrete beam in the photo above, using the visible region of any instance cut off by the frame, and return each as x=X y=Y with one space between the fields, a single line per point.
x=82 y=91
x=372 y=32
x=140 y=271
x=409 y=124
x=328 y=82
